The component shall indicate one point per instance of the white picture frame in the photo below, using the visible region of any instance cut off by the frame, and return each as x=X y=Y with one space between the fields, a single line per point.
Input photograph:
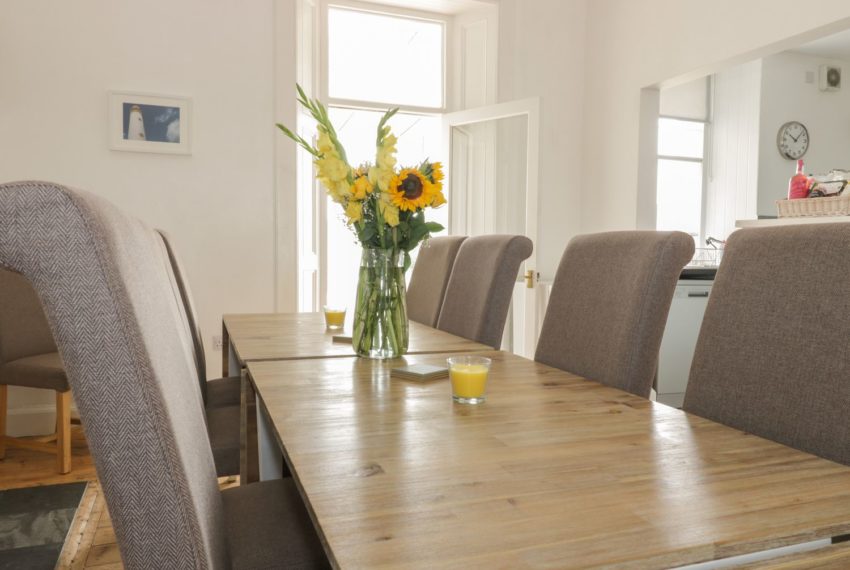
x=142 y=122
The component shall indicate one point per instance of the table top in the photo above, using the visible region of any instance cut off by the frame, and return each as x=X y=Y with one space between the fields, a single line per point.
x=553 y=470
x=284 y=336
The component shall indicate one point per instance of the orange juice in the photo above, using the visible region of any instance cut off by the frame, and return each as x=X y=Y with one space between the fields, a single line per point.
x=469 y=378
x=335 y=318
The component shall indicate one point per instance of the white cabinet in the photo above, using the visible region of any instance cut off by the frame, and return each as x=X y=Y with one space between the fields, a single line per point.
x=679 y=340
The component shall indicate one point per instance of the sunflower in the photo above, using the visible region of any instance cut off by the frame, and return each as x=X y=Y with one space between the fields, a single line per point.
x=410 y=190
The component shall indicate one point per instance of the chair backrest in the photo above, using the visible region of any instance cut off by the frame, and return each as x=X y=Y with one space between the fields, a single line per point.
x=23 y=327
x=430 y=277
x=609 y=303
x=772 y=357
x=191 y=314
x=480 y=287
x=103 y=280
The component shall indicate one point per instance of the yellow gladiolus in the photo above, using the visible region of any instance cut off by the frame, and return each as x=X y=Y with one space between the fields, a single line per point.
x=380 y=177
x=385 y=158
x=331 y=167
x=354 y=211
x=324 y=144
x=388 y=211
x=362 y=188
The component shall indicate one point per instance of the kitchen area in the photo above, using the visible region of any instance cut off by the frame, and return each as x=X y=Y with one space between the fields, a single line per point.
x=728 y=145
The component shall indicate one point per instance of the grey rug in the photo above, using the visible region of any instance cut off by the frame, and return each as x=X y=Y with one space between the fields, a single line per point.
x=34 y=523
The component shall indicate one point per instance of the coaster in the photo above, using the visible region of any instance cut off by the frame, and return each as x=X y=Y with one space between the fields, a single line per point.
x=341 y=339
x=420 y=372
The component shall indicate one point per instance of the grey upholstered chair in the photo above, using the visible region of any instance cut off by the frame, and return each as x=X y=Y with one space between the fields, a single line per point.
x=480 y=287
x=103 y=280
x=28 y=357
x=609 y=304
x=222 y=395
x=772 y=357
x=430 y=277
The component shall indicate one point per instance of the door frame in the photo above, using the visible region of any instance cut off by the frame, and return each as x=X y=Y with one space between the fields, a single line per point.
x=530 y=108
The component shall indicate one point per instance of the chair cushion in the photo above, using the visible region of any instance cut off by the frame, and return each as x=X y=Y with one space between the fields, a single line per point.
x=39 y=371
x=224 y=392
x=268 y=527
x=223 y=429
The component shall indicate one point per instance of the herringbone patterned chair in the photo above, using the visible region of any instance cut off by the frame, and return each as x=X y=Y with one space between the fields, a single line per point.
x=429 y=279
x=479 y=291
x=221 y=395
x=772 y=356
x=103 y=279
x=609 y=305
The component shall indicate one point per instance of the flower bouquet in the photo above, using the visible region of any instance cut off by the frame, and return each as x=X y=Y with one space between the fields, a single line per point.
x=384 y=205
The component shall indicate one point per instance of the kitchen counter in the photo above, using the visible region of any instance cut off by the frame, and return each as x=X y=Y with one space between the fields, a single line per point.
x=769 y=223
x=698 y=274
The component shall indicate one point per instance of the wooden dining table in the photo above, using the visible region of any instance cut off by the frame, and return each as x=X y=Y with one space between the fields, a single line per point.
x=553 y=471
x=256 y=337
x=286 y=336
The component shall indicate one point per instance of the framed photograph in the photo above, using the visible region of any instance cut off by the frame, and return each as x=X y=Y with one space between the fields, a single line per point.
x=149 y=123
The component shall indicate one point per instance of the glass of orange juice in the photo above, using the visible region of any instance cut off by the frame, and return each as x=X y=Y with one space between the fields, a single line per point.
x=334 y=317
x=469 y=378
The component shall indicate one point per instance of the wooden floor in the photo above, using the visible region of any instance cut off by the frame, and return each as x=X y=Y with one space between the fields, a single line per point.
x=91 y=540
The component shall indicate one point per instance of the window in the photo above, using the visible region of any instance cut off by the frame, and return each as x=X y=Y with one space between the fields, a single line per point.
x=374 y=61
x=681 y=151
x=384 y=59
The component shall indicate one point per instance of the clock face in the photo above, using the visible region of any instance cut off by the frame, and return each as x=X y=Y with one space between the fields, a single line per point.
x=792 y=140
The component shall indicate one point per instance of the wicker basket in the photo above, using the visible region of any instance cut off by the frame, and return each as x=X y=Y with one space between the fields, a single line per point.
x=806 y=207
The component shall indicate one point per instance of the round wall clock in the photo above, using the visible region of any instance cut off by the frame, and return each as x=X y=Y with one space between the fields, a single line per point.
x=792 y=141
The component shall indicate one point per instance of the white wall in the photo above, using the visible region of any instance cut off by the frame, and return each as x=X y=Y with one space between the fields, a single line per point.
x=632 y=45
x=542 y=53
x=732 y=168
x=685 y=101
x=58 y=60
x=785 y=97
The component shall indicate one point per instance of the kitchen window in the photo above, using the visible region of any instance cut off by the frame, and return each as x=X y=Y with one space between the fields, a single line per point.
x=681 y=154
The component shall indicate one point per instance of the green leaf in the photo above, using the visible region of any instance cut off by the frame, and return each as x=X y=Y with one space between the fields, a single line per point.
x=434 y=227
x=366 y=234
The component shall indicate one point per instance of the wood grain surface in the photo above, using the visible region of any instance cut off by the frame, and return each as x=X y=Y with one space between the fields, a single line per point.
x=552 y=471
x=285 y=336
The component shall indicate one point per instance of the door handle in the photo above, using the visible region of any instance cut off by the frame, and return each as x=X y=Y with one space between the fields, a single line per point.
x=529 y=279
x=698 y=294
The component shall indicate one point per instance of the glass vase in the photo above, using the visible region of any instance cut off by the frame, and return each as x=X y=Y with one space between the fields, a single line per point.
x=380 y=312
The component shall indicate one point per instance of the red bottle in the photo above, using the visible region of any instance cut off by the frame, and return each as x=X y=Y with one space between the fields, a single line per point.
x=798 y=186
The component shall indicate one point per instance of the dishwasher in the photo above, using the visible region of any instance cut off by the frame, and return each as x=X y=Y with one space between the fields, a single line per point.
x=680 y=334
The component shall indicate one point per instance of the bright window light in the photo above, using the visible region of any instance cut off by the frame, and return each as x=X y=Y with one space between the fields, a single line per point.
x=419 y=137
x=385 y=59
x=679 y=196
x=680 y=138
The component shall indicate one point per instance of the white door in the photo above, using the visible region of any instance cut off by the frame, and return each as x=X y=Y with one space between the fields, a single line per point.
x=492 y=188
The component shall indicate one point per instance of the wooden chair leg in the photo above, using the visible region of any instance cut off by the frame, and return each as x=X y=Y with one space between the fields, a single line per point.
x=3 y=395
x=63 y=431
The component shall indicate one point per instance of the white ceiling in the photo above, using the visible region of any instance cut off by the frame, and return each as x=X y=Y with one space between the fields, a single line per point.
x=836 y=46
x=438 y=6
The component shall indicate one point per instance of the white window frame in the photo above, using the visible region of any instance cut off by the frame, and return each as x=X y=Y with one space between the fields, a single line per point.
x=387 y=11
x=701 y=160
x=323 y=88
